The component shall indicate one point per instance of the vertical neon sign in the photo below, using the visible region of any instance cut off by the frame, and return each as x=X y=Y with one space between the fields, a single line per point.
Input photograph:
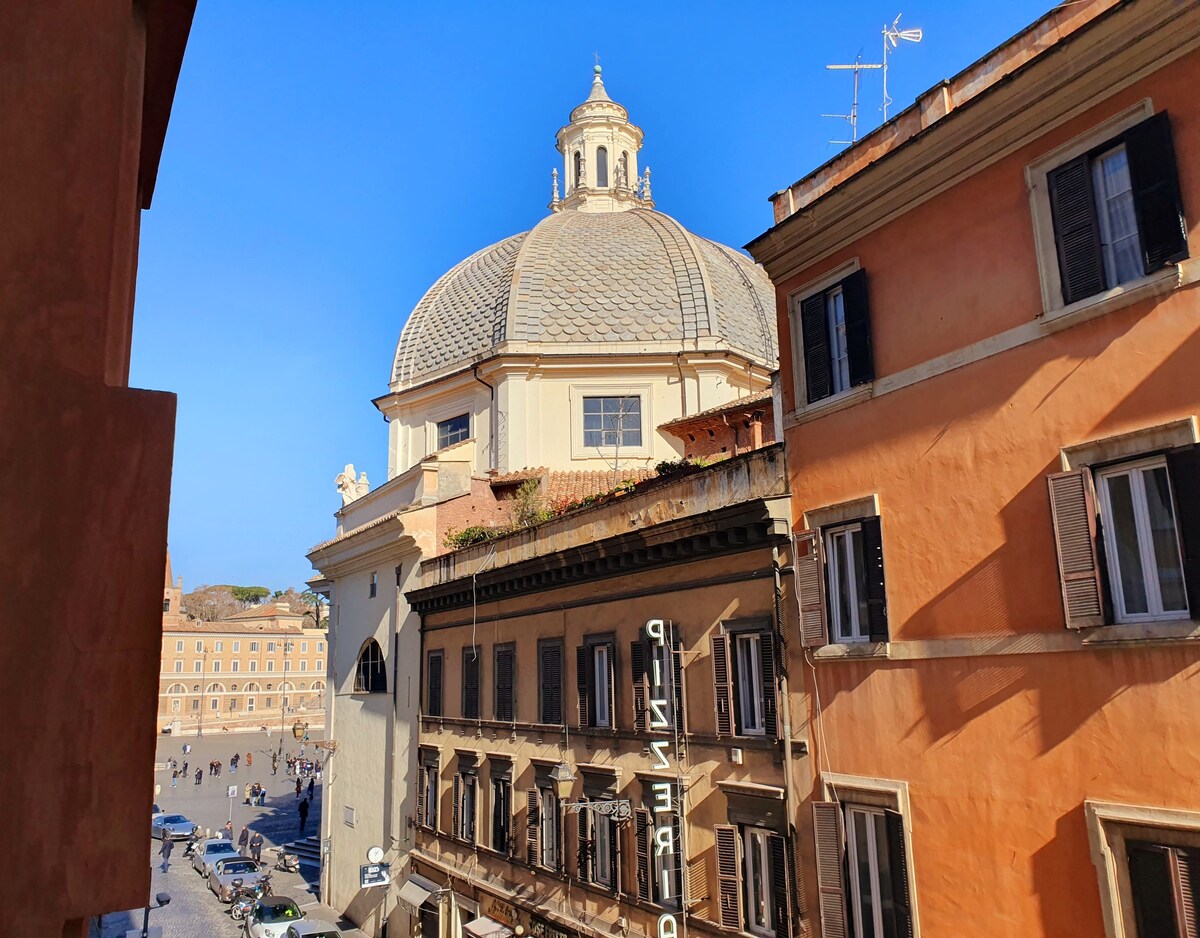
x=663 y=797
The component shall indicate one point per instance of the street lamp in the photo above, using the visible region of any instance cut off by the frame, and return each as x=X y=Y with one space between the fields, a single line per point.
x=161 y=899
x=203 y=678
x=563 y=779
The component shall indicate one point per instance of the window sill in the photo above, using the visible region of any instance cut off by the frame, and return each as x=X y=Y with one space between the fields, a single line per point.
x=1157 y=284
x=829 y=405
x=851 y=650
x=1150 y=633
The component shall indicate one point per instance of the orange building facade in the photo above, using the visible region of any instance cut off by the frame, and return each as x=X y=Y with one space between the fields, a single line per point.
x=989 y=348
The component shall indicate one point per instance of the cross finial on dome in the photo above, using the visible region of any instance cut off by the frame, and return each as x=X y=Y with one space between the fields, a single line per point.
x=598 y=92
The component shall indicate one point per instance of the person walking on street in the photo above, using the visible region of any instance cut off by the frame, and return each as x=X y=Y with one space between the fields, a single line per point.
x=227 y=831
x=256 y=844
x=249 y=793
x=249 y=759
x=175 y=779
x=311 y=783
x=183 y=771
x=168 y=845
x=297 y=788
x=199 y=776
x=244 y=840
x=233 y=764
x=274 y=764
x=303 y=814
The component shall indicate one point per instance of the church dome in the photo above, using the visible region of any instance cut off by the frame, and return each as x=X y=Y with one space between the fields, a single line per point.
x=604 y=272
x=604 y=278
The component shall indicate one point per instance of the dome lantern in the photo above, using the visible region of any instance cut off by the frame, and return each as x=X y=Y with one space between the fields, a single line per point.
x=599 y=147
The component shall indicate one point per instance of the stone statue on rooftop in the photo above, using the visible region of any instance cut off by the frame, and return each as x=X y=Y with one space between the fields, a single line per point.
x=349 y=487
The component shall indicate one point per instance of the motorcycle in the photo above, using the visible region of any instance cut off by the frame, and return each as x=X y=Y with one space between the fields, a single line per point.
x=193 y=839
x=244 y=897
x=287 y=862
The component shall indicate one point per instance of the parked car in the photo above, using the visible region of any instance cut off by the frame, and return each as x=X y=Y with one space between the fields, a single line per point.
x=225 y=871
x=166 y=730
x=311 y=928
x=271 y=917
x=171 y=827
x=209 y=852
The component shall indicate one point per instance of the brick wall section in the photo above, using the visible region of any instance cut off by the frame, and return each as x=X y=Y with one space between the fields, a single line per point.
x=478 y=507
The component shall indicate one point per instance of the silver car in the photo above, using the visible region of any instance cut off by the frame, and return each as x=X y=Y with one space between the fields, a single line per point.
x=224 y=872
x=171 y=827
x=311 y=928
x=209 y=851
x=271 y=917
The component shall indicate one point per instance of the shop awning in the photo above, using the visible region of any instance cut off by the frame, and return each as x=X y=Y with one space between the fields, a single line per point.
x=484 y=927
x=416 y=890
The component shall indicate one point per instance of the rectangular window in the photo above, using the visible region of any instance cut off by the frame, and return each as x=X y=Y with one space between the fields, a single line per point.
x=612 y=421
x=250 y=704
x=594 y=680
x=373 y=589
x=236 y=666
x=269 y=702
x=453 y=430
x=237 y=647
x=466 y=786
x=179 y=645
x=254 y=646
x=551 y=832
x=198 y=666
x=270 y=647
x=196 y=704
x=1141 y=538
x=253 y=665
x=270 y=665
x=832 y=332
x=756 y=880
x=428 y=795
x=216 y=667
x=320 y=665
x=871 y=874
x=847 y=578
x=304 y=648
x=178 y=667
x=199 y=647
x=433 y=684
x=470 y=683
x=174 y=706
x=1164 y=883
x=604 y=837
x=321 y=647
x=501 y=815
x=505 y=672
x=747 y=680
x=303 y=665
x=218 y=646
x=1116 y=210
x=214 y=704
x=233 y=704
x=550 y=655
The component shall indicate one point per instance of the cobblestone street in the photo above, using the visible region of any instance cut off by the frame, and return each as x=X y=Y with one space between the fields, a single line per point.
x=194 y=912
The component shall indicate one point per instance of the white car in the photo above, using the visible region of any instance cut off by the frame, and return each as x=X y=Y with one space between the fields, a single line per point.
x=271 y=917
x=209 y=851
x=311 y=928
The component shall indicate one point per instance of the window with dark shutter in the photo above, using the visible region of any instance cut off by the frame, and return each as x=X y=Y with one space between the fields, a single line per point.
x=729 y=893
x=550 y=681
x=1073 y=516
x=505 y=685
x=1157 y=202
x=1076 y=229
x=769 y=697
x=900 y=908
x=722 y=687
x=583 y=684
x=679 y=713
x=614 y=864
x=641 y=833
x=585 y=848
x=830 y=845
x=501 y=815
x=1152 y=883
x=781 y=891
x=433 y=697
x=456 y=808
x=877 y=627
x=421 y=796
x=815 y=336
x=470 y=694
x=1183 y=466
x=858 y=329
x=835 y=333
x=533 y=827
x=637 y=676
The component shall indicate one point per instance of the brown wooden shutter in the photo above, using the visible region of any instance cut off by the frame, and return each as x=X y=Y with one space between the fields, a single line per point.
x=641 y=834
x=830 y=844
x=584 y=854
x=470 y=702
x=637 y=680
x=729 y=893
x=809 y=570
x=455 y=814
x=1076 y=230
x=1189 y=891
x=1073 y=515
x=770 y=692
x=614 y=866
x=901 y=910
x=680 y=714
x=781 y=892
x=583 y=684
x=877 y=624
x=815 y=337
x=724 y=696
x=1157 y=202
x=434 y=704
x=1183 y=467
x=533 y=840
x=421 y=795
x=556 y=685
x=504 y=684
x=1152 y=887
x=860 y=358
x=559 y=860
x=472 y=806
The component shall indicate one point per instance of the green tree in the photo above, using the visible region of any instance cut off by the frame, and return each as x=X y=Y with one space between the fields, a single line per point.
x=249 y=595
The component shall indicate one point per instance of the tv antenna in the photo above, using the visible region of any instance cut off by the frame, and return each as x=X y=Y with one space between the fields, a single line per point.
x=891 y=40
x=852 y=117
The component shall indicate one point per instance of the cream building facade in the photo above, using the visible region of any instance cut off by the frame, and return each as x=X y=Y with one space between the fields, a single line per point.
x=557 y=353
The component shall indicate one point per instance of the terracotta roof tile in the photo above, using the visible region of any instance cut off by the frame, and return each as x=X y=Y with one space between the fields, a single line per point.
x=579 y=484
x=741 y=403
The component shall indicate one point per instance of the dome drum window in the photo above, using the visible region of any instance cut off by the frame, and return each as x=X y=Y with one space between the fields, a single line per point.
x=369 y=676
x=601 y=168
x=610 y=422
x=454 y=430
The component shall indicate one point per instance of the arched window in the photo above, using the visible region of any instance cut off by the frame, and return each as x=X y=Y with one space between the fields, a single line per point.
x=176 y=689
x=601 y=168
x=252 y=688
x=369 y=677
x=215 y=689
x=578 y=168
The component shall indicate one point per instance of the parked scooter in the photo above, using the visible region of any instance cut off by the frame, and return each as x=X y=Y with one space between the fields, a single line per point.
x=244 y=897
x=287 y=862
x=193 y=839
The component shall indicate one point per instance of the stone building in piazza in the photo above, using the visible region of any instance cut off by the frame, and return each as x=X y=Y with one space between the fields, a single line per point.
x=264 y=666
x=560 y=355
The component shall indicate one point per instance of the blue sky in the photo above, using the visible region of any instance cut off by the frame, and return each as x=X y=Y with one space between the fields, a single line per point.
x=326 y=162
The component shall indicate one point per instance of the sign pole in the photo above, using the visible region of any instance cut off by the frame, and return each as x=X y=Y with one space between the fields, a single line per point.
x=232 y=793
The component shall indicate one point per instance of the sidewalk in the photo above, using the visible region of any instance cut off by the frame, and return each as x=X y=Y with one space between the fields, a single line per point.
x=326 y=914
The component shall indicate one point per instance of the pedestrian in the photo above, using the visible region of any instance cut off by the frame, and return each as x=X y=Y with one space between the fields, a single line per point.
x=303 y=814
x=311 y=783
x=184 y=771
x=168 y=845
x=233 y=764
x=297 y=789
x=249 y=759
x=256 y=844
x=199 y=776
x=227 y=831
x=262 y=795
x=175 y=779
x=249 y=793
x=274 y=764
x=244 y=840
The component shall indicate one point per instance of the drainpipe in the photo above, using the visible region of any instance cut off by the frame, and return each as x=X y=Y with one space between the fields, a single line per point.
x=491 y=417
x=791 y=803
x=683 y=411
